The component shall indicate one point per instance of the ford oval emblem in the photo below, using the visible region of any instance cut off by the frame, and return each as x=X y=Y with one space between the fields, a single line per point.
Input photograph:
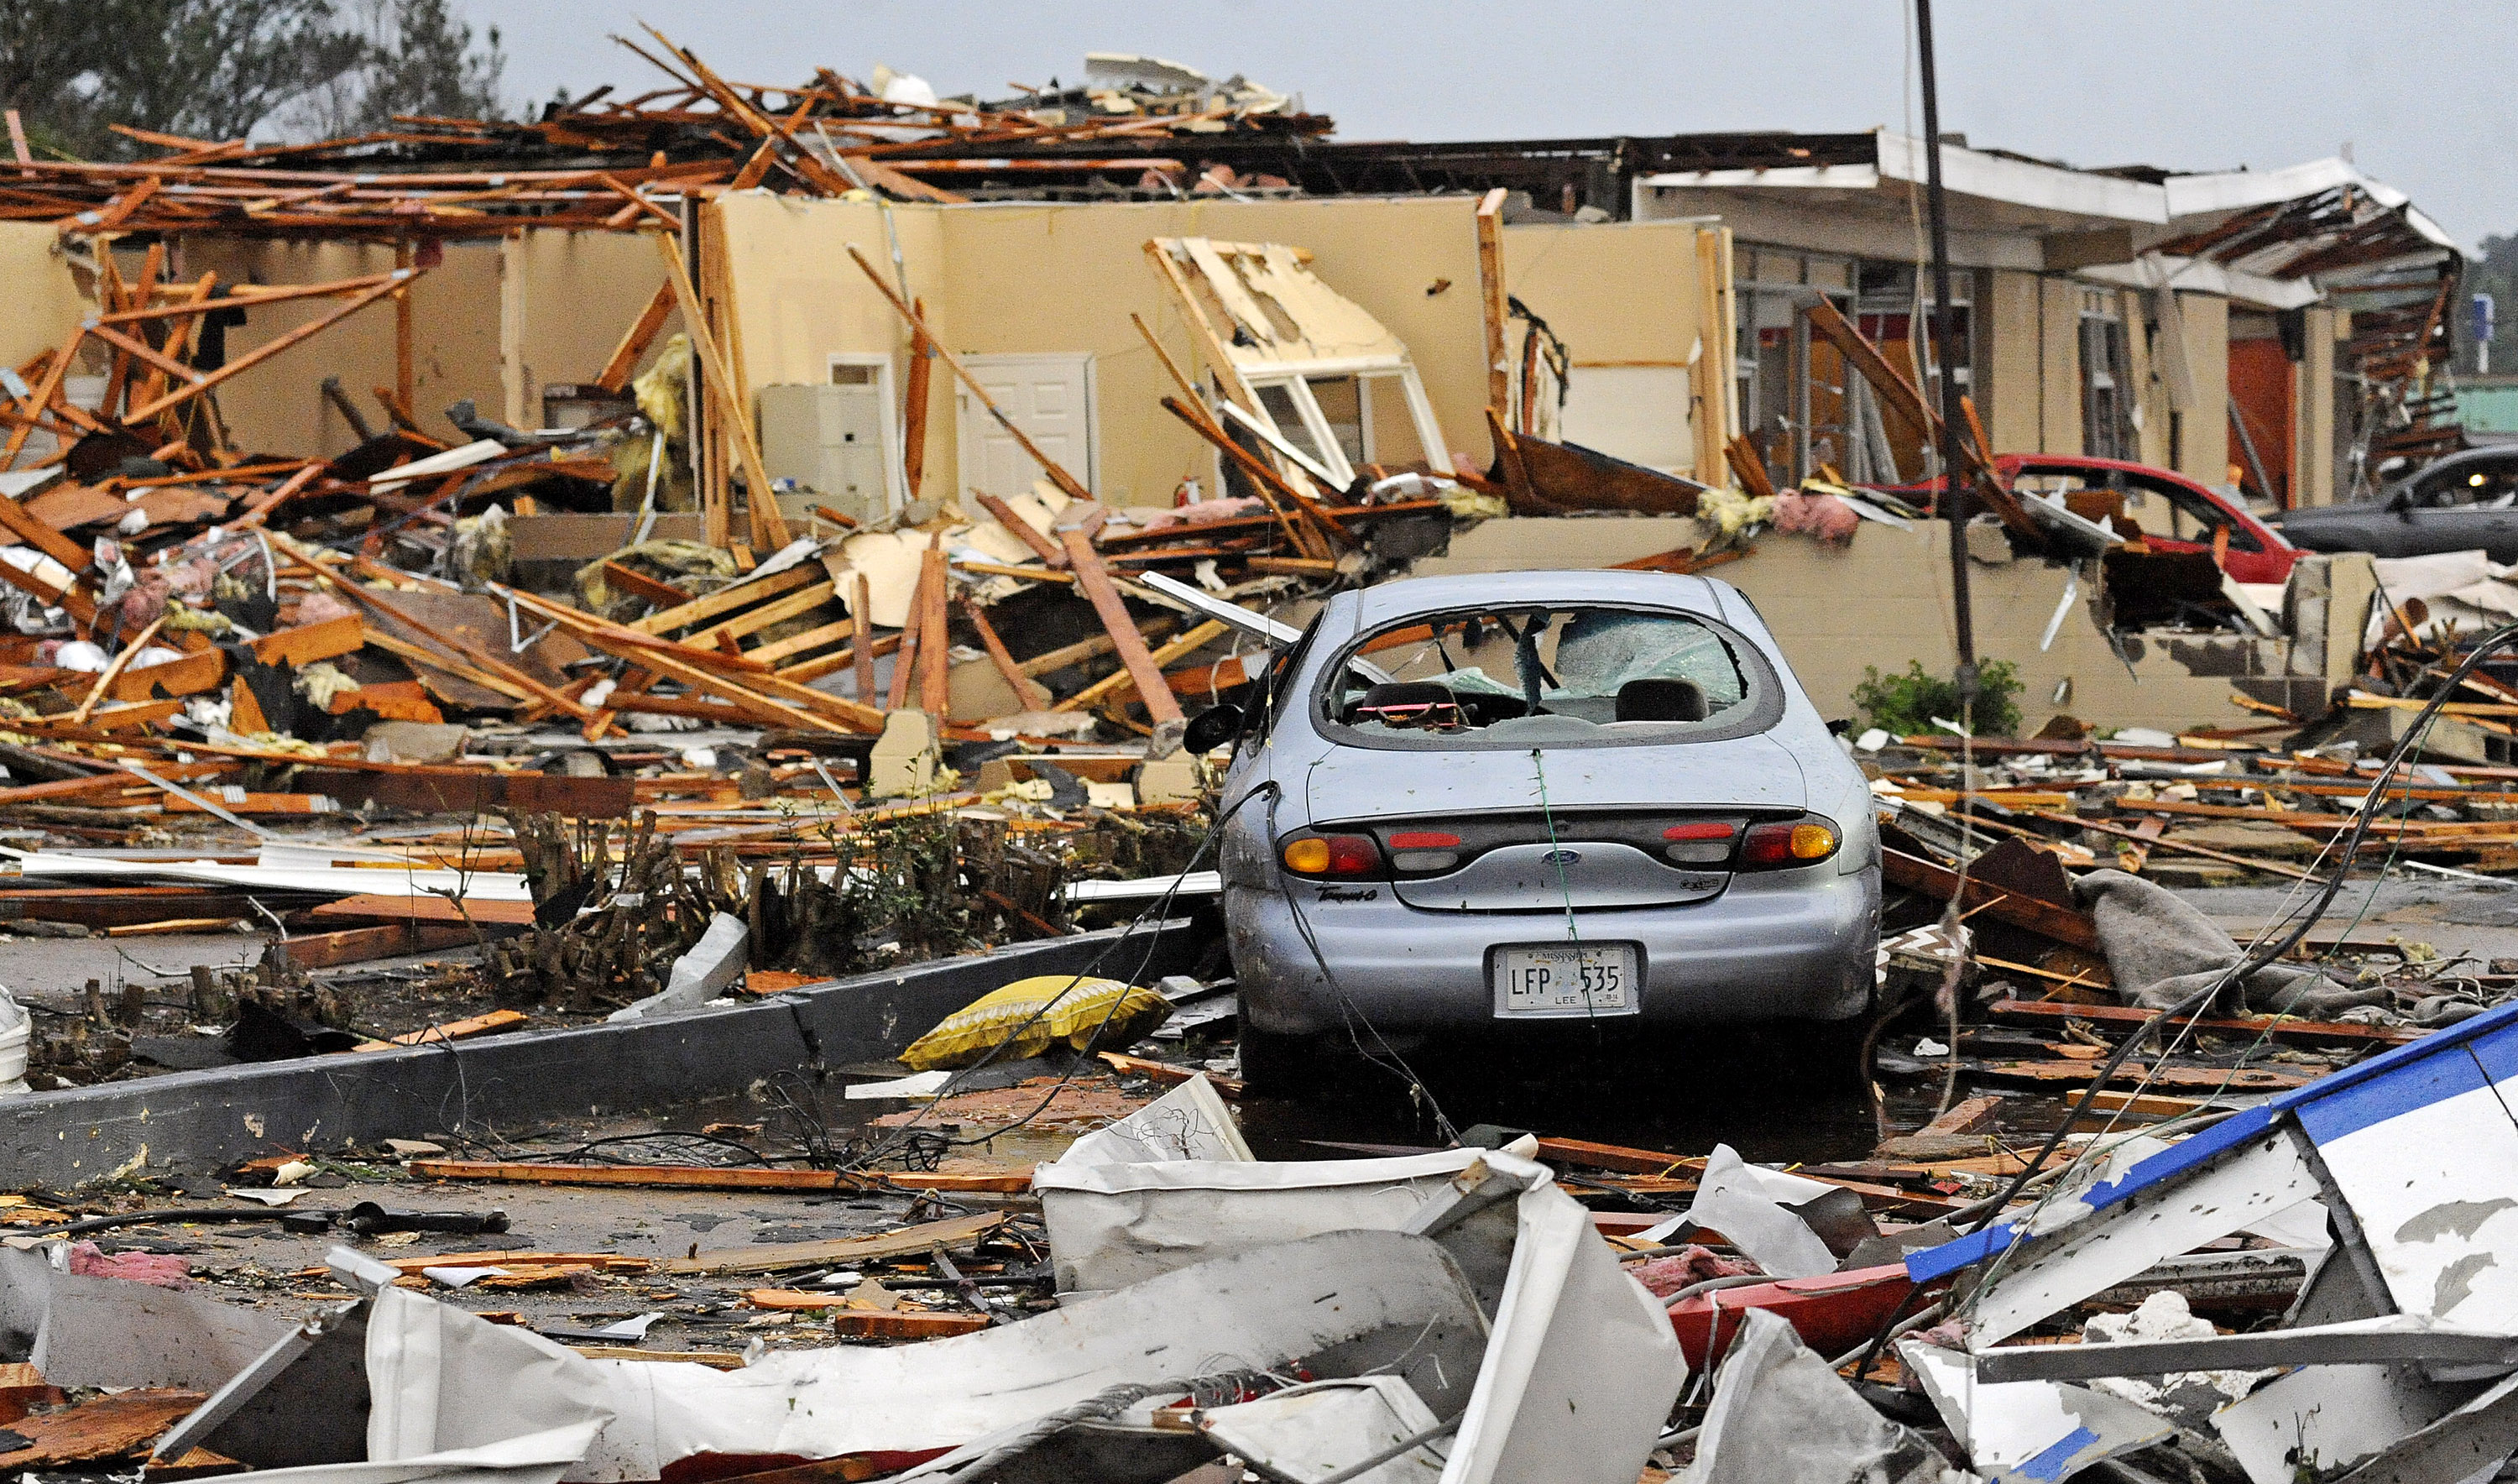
x=1561 y=859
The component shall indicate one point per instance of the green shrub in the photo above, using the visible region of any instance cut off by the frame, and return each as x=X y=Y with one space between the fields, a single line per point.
x=1904 y=705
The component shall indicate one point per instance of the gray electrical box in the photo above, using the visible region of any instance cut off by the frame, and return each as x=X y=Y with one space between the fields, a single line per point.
x=829 y=441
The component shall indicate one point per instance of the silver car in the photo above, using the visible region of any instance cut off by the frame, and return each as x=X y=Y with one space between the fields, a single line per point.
x=1470 y=803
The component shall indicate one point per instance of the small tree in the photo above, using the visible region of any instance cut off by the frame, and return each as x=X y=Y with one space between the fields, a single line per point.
x=1904 y=705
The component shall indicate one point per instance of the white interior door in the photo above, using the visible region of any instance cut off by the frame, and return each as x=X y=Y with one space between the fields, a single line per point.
x=1049 y=397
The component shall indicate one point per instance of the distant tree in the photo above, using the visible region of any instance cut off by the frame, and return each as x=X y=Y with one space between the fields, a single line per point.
x=419 y=59
x=221 y=70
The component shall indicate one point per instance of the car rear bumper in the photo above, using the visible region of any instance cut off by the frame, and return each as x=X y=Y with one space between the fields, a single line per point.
x=1790 y=945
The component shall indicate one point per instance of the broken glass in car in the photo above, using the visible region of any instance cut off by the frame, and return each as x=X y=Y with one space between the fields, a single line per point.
x=1558 y=676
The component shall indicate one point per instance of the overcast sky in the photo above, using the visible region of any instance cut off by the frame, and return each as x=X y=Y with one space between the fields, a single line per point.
x=2425 y=95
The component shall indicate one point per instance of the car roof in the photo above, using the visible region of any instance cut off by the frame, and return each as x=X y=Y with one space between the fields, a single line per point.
x=1387 y=601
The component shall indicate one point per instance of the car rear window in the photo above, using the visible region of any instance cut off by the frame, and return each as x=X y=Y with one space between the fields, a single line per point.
x=1553 y=675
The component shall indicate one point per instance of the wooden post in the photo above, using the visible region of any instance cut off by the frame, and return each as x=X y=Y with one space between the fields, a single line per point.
x=405 y=376
x=1492 y=297
x=935 y=650
x=722 y=391
x=913 y=416
x=264 y=351
x=1095 y=582
x=861 y=654
x=904 y=661
x=633 y=344
x=1028 y=693
x=1057 y=474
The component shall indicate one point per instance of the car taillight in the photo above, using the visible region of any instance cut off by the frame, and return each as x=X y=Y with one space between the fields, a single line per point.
x=1704 y=842
x=1424 y=849
x=1331 y=855
x=1785 y=844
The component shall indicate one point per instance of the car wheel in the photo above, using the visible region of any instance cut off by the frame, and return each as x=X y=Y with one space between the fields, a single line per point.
x=1273 y=1064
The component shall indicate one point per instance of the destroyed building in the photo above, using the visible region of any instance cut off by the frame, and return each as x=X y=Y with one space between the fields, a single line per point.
x=606 y=710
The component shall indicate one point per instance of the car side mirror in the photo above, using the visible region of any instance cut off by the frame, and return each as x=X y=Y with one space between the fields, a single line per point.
x=1212 y=728
x=2402 y=502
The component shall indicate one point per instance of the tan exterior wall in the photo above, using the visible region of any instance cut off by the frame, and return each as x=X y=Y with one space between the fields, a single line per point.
x=1800 y=589
x=2204 y=452
x=2313 y=455
x=279 y=406
x=2059 y=364
x=1628 y=294
x=567 y=298
x=1065 y=279
x=44 y=301
x=2016 y=403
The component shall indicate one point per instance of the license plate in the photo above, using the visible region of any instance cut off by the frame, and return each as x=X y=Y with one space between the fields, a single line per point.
x=1571 y=980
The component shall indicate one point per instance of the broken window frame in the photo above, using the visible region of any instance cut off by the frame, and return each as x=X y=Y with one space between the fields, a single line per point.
x=1197 y=261
x=2106 y=378
x=1772 y=289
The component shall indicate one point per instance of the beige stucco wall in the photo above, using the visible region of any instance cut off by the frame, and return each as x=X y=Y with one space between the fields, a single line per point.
x=567 y=300
x=1019 y=278
x=44 y=301
x=2013 y=403
x=1899 y=582
x=1622 y=295
x=2203 y=443
x=279 y=406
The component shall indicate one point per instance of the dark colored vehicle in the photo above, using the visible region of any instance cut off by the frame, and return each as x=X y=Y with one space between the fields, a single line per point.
x=2463 y=503
x=2193 y=513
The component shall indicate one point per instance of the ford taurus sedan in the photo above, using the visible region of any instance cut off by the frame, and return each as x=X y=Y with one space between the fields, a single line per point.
x=1479 y=803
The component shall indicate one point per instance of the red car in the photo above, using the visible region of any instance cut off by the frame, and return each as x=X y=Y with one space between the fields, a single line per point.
x=2173 y=512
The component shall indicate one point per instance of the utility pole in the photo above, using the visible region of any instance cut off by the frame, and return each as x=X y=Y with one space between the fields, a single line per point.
x=1954 y=500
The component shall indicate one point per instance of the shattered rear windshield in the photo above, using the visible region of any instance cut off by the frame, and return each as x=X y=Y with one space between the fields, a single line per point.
x=1558 y=675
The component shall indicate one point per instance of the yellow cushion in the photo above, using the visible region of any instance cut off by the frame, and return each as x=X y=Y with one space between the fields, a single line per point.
x=1037 y=1013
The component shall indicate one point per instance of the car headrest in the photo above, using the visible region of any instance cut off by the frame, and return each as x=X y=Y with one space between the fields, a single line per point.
x=1660 y=699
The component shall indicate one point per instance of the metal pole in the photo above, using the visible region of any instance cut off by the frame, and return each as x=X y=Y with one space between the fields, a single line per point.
x=1954 y=500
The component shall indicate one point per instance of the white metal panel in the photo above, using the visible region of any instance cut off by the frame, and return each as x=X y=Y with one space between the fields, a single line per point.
x=2111 y=1245
x=2434 y=1185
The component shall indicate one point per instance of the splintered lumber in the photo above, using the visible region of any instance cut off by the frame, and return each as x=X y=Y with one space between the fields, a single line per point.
x=373 y=943
x=1903 y=396
x=1022 y=530
x=689 y=613
x=1057 y=472
x=202 y=383
x=761 y=692
x=427 y=909
x=679 y=1176
x=935 y=587
x=1028 y=693
x=769 y=526
x=109 y=1427
x=1490 y=297
x=2233 y=1078
x=962 y=1231
x=1119 y=683
x=1169 y=1072
x=1093 y=580
x=2177 y=846
x=408 y=1267
x=2065 y=925
x=451 y=1030
x=633 y=344
x=2277 y=1028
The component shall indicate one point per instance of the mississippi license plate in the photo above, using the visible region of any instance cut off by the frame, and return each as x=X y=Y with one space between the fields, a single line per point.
x=1571 y=980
